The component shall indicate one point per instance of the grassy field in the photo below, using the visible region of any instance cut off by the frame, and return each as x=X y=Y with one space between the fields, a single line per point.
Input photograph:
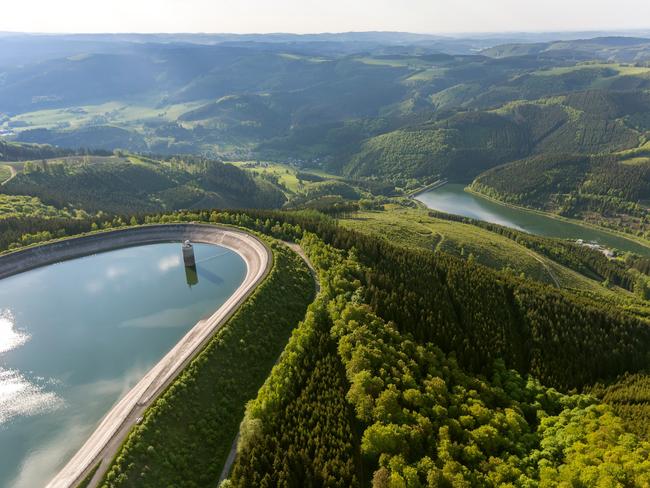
x=297 y=57
x=5 y=173
x=621 y=69
x=414 y=227
x=427 y=75
x=395 y=62
x=286 y=175
x=118 y=113
x=636 y=161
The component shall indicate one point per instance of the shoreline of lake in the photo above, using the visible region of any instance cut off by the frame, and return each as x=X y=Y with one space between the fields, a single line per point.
x=455 y=198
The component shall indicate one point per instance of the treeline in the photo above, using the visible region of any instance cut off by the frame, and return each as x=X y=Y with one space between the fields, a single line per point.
x=482 y=315
x=479 y=314
x=423 y=420
x=186 y=435
x=10 y=151
x=641 y=264
x=300 y=429
x=22 y=206
x=144 y=186
x=19 y=231
x=589 y=262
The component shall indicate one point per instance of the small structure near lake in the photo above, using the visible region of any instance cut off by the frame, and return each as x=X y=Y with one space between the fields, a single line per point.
x=597 y=247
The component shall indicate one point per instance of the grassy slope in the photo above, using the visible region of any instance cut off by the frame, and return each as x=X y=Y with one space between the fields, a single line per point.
x=415 y=227
x=620 y=69
x=186 y=435
x=118 y=113
x=5 y=173
x=286 y=175
x=138 y=184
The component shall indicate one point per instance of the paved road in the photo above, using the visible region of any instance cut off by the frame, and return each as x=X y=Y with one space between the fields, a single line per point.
x=104 y=443
x=230 y=460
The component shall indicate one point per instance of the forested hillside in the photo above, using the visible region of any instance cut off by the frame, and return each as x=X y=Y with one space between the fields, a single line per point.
x=142 y=185
x=420 y=366
x=438 y=350
x=606 y=190
x=20 y=152
x=464 y=145
x=422 y=418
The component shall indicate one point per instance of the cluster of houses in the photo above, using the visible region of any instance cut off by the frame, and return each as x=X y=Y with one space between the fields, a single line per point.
x=597 y=247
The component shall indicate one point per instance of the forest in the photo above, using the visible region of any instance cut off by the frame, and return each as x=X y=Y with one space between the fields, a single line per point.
x=423 y=420
x=422 y=349
x=141 y=184
x=414 y=368
x=605 y=190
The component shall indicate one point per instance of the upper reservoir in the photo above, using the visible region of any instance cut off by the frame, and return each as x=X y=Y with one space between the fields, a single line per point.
x=77 y=335
x=452 y=198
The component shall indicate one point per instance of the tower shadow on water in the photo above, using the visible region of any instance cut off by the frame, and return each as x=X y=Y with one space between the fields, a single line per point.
x=191 y=275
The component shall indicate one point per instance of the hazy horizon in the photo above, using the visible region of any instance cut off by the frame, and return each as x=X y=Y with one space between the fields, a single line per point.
x=459 y=34
x=461 y=17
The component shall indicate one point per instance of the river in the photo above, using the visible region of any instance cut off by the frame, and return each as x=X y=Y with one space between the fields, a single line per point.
x=76 y=336
x=452 y=198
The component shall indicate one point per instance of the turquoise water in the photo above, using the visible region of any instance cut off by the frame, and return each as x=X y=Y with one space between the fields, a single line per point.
x=452 y=199
x=77 y=335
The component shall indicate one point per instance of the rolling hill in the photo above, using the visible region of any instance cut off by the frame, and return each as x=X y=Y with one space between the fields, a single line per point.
x=142 y=185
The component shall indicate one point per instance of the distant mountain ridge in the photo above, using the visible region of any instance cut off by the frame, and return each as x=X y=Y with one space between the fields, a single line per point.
x=619 y=48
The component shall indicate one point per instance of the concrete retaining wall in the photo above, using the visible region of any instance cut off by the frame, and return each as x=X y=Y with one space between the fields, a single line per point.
x=34 y=257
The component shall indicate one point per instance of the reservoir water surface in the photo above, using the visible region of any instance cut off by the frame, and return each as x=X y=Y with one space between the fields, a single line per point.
x=452 y=198
x=77 y=335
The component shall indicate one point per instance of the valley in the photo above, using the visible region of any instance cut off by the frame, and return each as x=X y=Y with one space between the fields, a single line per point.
x=474 y=211
x=453 y=199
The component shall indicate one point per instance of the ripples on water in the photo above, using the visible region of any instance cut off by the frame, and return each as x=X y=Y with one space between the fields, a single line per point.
x=18 y=395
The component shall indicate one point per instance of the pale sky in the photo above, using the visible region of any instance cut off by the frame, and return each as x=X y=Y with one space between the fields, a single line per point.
x=305 y=16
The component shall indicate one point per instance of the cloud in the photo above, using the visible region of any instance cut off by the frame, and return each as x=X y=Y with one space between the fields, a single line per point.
x=169 y=262
x=10 y=338
x=172 y=317
x=114 y=272
x=94 y=287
